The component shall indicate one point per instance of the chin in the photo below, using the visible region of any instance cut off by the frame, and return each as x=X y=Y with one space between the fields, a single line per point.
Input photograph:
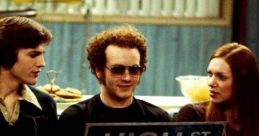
x=125 y=95
x=216 y=101
x=32 y=82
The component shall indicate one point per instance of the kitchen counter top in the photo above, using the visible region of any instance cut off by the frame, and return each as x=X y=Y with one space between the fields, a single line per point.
x=169 y=103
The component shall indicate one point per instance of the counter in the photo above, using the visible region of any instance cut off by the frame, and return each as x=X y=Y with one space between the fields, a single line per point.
x=169 y=103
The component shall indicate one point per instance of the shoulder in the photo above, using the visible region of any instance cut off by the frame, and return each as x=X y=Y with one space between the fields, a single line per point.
x=192 y=112
x=153 y=111
x=148 y=105
x=47 y=103
x=39 y=94
x=195 y=106
x=79 y=109
x=72 y=120
x=42 y=97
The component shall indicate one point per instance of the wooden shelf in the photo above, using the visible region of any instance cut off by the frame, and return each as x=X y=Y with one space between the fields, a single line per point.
x=129 y=19
x=224 y=20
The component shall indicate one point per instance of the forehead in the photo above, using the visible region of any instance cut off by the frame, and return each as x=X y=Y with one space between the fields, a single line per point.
x=39 y=48
x=118 y=55
x=219 y=65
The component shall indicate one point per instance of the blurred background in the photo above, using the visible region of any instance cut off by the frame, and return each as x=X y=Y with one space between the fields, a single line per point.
x=181 y=34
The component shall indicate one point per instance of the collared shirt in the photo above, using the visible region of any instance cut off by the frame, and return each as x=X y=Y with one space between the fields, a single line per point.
x=27 y=95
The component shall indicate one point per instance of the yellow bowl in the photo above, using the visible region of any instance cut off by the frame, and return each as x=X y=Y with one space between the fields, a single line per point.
x=194 y=87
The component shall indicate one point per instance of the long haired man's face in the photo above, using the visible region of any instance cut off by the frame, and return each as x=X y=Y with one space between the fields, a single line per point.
x=220 y=80
x=28 y=65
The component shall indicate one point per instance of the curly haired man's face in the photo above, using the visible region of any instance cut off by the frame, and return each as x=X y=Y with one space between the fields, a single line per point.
x=121 y=87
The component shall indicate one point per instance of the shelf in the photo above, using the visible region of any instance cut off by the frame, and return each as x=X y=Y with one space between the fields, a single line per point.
x=224 y=20
x=129 y=19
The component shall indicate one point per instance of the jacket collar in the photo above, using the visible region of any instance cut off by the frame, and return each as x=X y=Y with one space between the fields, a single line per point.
x=29 y=96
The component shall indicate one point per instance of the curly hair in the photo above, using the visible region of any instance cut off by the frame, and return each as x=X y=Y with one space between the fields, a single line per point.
x=123 y=36
x=19 y=33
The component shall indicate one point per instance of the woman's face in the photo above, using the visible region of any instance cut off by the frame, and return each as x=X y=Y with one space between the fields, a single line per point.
x=220 y=80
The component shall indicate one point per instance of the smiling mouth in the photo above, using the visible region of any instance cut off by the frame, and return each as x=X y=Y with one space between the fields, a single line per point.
x=124 y=86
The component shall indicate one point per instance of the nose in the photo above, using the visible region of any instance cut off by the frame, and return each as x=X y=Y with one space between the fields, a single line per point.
x=41 y=61
x=211 y=81
x=126 y=75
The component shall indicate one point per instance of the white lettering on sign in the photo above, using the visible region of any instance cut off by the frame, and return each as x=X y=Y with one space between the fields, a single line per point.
x=206 y=133
x=155 y=134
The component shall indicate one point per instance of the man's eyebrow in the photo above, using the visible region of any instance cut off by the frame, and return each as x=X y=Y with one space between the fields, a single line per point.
x=36 y=52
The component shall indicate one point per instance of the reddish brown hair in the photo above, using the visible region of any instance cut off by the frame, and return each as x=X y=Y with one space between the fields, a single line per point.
x=242 y=62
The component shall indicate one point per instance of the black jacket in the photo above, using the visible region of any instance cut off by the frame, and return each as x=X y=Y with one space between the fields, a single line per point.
x=72 y=121
x=32 y=121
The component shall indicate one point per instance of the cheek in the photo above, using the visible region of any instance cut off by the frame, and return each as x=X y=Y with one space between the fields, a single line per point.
x=228 y=91
x=108 y=79
x=137 y=80
x=20 y=68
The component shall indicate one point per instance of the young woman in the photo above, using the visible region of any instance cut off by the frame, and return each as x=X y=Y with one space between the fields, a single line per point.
x=233 y=85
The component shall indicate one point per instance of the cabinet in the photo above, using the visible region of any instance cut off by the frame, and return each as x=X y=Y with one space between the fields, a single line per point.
x=224 y=18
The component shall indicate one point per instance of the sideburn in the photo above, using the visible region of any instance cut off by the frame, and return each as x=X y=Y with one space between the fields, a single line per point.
x=101 y=78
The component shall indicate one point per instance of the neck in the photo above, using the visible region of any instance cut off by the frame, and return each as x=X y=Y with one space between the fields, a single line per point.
x=7 y=85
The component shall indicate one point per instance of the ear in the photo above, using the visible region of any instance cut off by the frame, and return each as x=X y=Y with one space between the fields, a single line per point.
x=98 y=73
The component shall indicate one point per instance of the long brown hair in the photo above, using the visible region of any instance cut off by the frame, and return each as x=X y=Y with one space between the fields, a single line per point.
x=242 y=62
x=20 y=33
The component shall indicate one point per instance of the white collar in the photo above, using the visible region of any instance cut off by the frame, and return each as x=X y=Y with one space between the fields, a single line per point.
x=29 y=96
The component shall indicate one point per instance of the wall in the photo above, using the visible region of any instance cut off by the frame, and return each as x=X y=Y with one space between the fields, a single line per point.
x=173 y=51
x=252 y=26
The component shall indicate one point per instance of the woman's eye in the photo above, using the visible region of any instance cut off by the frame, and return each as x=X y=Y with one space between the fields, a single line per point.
x=221 y=77
x=209 y=74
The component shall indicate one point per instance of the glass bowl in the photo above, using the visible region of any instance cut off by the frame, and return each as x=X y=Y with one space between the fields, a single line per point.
x=194 y=87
